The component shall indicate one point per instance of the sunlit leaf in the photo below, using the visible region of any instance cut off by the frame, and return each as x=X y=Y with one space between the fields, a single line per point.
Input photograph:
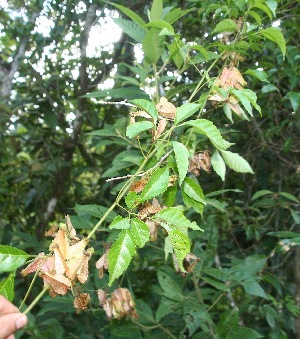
x=120 y=223
x=185 y=111
x=138 y=127
x=218 y=164
x=156 y=10
x=120 y=255
x=207 y=128
x=131 y=28
x=11 y=258
x=140 y=232
x=182 y=159
x=156 y=185
x=175 y=216
x=152 y=45
x=180 y=243
x=131 y=14
x=226 y=25
x=236 y=162
x=147 y=106
x=274 y=34
x=193 y=190
x=7 y=287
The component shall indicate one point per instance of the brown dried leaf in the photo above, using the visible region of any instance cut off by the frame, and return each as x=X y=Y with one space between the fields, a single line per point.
x=81 y=301
x=58 y=282
x=231 y=77
x=138 y=185
x=148 y=208
x=41 y=262
x=71 y=230
x=166 y=109
x=161 y=126
x=101 y=296
x=75 y=258
x=200 y=160
x=102 y=263
x=52 y=232
x=83 y=272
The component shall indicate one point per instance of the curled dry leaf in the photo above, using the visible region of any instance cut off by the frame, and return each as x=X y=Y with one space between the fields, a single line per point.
x=147 y=210
x=120 y=304
x=67 y=262
x=166 y=109
x=102 y=263
x=189 y=263
x=200 y=160
x=52 y=232
x=81 y=301
x=161 y=126
x=42 y=263
x=138 y=185
x=231 y=77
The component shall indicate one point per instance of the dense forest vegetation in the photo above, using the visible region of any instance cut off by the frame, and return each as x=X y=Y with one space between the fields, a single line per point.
x=150 y=163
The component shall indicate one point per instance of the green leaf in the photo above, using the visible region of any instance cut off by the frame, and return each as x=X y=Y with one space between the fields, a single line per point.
x=152 y=45
x=147 y=106
x=260 y=75
x=94 y=210
x=191 y=203
x=120 y=223
x=226 y=25
x=169 y=286
x=185 y=111
x=207 y=128
x=218 y=164
x=130 y=28
x=251 y=286
x=193 y=190
x=255 y=16
x=274 y=34
x=289 y=197
x=115 y=93
x=261 y=193
x=7 y=287
x=175 y=217
x=182 y=159
x=175 y=14
x=156 y=10
x=236 y=162
x=161 y=24
x=156 y=185
x=295 y=100
x=120 y=255
x=284 y=234
x=132 y=199
x=215 y=283
x=140 y=232
x=138 y=127
x=132 y=15
x=180 y=243
x=11 y=258
x=248 y=98
x=264 y=8
x=272 y=4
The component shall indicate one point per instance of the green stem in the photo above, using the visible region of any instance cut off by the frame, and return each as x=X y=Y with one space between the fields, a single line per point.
x=37 y=299
x=127 y=185
x=29 y=289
